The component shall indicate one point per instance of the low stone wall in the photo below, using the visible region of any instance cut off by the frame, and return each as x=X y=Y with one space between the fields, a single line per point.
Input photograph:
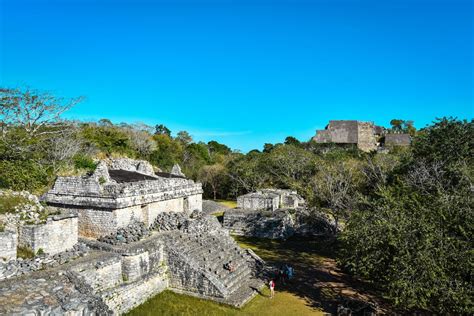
x=102 y=274
x=8 y=244
x=135 y=266
x=257 y=201
x=128 y=296
x=58 y=234
x=262 y=224
x=280 y=224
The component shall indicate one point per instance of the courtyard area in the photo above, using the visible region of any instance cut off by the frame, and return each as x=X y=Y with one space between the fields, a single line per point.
x=317 y=288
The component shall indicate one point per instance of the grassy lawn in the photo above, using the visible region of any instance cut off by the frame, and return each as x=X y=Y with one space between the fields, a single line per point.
x=169 y=303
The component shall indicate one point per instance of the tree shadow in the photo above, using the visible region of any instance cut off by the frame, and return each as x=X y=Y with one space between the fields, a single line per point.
x=317 y=278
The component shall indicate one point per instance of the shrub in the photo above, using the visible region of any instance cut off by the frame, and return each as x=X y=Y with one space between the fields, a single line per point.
x=24 y=252
x=84 y=162
x=8 y=202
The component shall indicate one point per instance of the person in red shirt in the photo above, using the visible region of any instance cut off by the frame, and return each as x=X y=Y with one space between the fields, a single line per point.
x=272 y=288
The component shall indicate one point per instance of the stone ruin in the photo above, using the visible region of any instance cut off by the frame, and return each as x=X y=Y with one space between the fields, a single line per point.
x=118 y=237
x=275 y=214
x=270 y=199
x=366 y=135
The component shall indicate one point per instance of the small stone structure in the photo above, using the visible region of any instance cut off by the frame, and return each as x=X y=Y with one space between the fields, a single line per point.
x=113 y=198
x=58 y=234
x=363 y=134
x=269 y=199
x=397 y=139
x=8 y=245
x=275 y=214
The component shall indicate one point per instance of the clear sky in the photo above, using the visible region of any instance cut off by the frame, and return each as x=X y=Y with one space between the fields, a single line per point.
x=245 y=72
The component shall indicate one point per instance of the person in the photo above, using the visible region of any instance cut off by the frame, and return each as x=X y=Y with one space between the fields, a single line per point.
x=271 y=284
x=231 y=267
x=290 y=272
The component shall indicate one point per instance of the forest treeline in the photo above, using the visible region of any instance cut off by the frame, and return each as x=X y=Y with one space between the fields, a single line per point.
x=405 y=218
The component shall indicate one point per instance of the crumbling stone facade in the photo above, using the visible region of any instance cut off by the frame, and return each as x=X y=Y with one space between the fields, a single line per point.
x=269 y=199
x=8 y=244
x=397 y=139
x=58 y=234
x=114 y=198
x=154 y=238
x=362 y=134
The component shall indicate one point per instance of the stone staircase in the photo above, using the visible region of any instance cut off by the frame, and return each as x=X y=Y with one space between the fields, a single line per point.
x=199 y=259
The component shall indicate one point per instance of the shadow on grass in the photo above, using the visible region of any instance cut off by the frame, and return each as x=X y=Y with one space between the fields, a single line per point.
x=317 y=278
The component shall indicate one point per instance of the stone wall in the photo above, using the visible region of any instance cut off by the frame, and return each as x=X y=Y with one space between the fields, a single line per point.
x=94 y=223
x=194 y=202
x=366 y=137
x=135 y=266
x=58 y=234
x=101 y=274
x=8 y=244
x=153 y=209
x=280 y=224
x=128 y=296
x=397 y=140
x=258 y=201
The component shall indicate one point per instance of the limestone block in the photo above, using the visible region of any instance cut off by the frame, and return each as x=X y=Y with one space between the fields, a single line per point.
x=8 y=244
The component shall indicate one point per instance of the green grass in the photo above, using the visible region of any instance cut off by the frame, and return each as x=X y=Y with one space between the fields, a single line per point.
x=291 y=300
x=169 y=303
x=24 y=253
x=228 y=203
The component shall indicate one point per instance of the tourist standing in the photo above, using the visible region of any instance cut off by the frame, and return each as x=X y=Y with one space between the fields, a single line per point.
x=272 y=288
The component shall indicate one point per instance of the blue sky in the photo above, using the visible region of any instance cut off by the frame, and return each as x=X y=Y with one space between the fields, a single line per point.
x=245 y=72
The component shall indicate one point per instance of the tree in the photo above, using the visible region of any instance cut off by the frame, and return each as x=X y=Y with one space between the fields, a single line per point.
x=397 y=124
x=290 y=140
x=334 y=189
x=184 y=137
x=162 y=130
x=32 y=110
x=413 y=236
x=267 y=147
x=212 y=175
x=105 y=122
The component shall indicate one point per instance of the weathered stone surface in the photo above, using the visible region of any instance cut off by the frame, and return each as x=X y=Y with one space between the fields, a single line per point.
x=176 y=170
x=397 y=140
x=280 y=224
x=209 y=207
x=58 y=234
x=15 y=268
x=270 y=199
x=349 y=132
x=8 y=244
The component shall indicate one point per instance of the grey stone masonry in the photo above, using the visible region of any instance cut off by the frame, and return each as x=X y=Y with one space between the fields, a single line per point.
x=58 y=234
x=363 y=134
x=397 y=140
x=123 y=191
x=270 y=199
x=259 y=201
x=8 y=244
x=119 y=188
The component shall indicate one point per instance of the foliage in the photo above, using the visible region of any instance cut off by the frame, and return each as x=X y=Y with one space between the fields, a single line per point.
x=24 y=252
x=9 y=202
x=84 y=162
x=413 y=236
x=24 y=175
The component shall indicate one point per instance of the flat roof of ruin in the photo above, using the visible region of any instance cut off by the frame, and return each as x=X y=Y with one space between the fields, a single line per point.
x=124 y=176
